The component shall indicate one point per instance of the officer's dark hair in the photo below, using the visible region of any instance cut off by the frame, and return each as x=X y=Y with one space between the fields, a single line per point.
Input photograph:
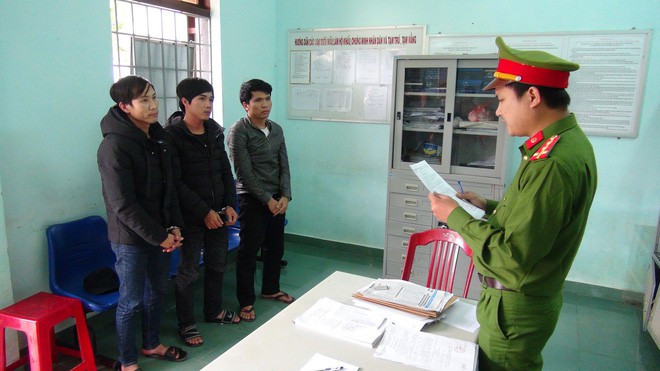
x=253 y=85
x=191 y=87
x=128 y=88
x=554 y=98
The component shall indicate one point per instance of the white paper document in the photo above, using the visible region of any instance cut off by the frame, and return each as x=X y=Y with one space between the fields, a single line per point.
x=435 y=183
x=323 y=362
x=461 y=315
x=343 y=321
x=426 y=351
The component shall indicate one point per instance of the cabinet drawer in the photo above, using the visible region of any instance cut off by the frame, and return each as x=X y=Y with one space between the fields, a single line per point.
x=408 y=186
x=412 y=216
x=410 y=201
x=404 y=229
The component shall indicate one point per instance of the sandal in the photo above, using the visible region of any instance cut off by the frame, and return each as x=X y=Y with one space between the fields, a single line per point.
x=117 y=367
x=187 y=334
x=228 y=318
x=172 y=354
x=280 y=296
x=249 y=312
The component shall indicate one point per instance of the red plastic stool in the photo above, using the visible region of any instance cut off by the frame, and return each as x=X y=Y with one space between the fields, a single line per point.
x=37 y=317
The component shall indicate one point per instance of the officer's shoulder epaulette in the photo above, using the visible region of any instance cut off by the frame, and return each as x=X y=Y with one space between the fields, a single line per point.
x=545 y=149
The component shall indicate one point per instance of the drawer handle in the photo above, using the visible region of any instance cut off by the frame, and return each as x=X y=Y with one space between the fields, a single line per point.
x=408 y=230
x=410 y=202
x=409 y=216
x=412 y=187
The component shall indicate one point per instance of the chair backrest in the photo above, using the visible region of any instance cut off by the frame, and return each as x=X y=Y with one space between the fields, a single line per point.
x=75 y=249
x=445 y=246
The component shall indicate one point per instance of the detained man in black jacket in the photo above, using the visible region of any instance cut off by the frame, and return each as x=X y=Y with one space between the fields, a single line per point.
x=135 y=162
x=208 y=195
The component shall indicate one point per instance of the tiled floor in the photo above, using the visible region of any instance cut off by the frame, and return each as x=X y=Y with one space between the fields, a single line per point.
x=592 y=334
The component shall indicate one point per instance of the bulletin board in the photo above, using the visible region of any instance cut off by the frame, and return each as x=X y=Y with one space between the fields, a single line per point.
x=606 y=92
x=345 y=74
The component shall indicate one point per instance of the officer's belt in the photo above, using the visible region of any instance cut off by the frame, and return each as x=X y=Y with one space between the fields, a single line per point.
x=492 y=283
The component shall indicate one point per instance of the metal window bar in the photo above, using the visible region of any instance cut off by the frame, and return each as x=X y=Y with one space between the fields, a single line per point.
x=158 y=69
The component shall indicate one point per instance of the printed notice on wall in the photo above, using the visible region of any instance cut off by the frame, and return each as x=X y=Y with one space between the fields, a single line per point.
x=606 y=92
x=349 y=69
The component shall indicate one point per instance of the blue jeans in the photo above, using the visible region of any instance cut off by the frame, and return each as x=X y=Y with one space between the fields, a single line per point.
x=142 y=272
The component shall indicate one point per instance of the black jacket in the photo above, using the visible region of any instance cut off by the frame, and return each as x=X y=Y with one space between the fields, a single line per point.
x=206 y=181
x=138 y=181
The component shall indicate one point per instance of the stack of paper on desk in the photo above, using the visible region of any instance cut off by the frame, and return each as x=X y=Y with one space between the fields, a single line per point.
x=343 y=321
x=407 y=296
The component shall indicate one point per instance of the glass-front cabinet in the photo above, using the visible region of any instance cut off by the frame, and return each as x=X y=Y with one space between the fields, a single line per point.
x=441 y=116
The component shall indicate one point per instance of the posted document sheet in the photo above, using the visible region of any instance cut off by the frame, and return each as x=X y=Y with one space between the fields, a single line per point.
x=435 y=183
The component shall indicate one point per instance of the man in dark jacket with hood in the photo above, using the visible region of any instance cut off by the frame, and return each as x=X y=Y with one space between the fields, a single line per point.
x=135 y=162
x=208 y=196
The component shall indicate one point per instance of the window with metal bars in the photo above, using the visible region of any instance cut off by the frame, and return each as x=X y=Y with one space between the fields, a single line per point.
x=163 y=44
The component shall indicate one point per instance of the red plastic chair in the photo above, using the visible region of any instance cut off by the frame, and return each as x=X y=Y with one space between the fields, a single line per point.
x=446 y=244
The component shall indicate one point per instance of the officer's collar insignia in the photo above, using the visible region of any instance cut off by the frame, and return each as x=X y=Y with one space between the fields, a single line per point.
x=545 y=149
x=534 y=140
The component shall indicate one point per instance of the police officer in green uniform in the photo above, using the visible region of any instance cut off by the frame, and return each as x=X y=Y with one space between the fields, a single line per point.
x=524 y=248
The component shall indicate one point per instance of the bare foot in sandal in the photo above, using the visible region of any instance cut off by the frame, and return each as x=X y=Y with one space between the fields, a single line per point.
x=226 y=317
x=191 y=336
x=247 y=313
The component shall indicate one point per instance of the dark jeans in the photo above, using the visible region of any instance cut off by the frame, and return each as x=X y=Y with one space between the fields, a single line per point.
x=260 y=230
x=214 y=242
x=142 y=272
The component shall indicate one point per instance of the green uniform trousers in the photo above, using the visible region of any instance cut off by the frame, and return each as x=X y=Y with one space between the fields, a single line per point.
x=514 y=328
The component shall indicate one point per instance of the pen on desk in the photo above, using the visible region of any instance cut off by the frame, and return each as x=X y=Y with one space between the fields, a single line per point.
x=331 y=368
x=460 y=186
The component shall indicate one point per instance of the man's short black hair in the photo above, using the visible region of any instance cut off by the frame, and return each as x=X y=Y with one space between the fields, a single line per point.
x=554 y=98
x=191 y=87
x=128 y=88
x=253 y=85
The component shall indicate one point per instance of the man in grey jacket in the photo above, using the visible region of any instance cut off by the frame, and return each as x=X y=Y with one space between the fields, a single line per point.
x=263 y=186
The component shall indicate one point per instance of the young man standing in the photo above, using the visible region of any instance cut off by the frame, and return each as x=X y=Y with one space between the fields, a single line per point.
x=144 y=220
x=261 y=164
x=525 y=248
x=207 y=195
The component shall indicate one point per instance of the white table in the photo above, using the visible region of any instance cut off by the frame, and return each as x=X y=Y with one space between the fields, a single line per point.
x=279 y=345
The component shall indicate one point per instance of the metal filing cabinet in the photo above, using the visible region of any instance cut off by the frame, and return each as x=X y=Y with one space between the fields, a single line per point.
x=440 y=116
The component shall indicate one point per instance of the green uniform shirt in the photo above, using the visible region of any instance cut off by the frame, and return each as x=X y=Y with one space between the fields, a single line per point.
x=532 y=235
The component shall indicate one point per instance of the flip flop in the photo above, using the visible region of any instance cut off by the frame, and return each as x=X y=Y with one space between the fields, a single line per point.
x=280 y=296
x=188 y=333
x=172 y=354
x=244 y=310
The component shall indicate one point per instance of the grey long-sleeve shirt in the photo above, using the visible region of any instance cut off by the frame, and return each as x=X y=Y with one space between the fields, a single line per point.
x=260 y=162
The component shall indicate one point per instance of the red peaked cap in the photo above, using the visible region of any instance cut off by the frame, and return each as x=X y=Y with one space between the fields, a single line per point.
x=532 y=67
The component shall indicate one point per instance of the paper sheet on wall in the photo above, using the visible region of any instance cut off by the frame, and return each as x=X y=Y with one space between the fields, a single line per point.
x=435 y=183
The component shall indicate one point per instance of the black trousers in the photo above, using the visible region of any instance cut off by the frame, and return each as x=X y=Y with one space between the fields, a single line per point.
x=214 y=242
x=260 y=230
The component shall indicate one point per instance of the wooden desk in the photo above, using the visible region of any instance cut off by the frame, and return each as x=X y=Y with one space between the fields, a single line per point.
x=279 y=345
